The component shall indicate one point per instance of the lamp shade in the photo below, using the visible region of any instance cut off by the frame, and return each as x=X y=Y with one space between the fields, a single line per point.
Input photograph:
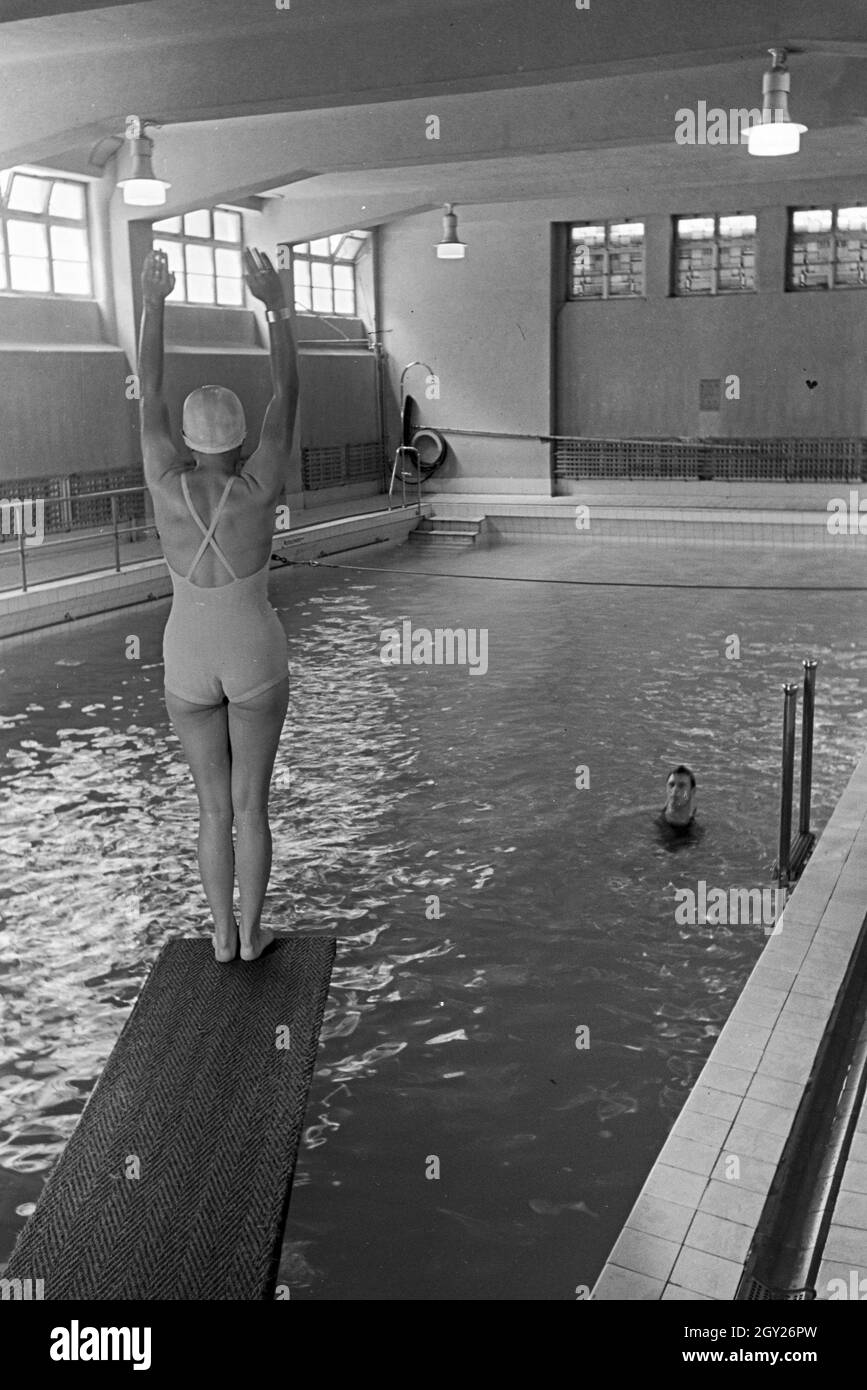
x=141 y=187
x=450 y=248
x=775 y=138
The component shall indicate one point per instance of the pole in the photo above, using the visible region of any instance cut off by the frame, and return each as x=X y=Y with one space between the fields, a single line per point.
x=22 y=562
x=807 y=745
x=790 y=701
x=114 y=522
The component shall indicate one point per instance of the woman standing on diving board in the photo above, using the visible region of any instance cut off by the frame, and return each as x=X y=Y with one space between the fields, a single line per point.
x=224 y=648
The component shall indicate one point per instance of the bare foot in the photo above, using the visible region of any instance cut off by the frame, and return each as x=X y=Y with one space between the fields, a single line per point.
x=261 y=938
x=226 y=943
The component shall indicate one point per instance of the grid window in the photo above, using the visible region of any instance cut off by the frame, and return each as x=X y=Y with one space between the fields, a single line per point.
x=323 y=273
x=828 y=249
x=44 y=245
x=715 y=255
x=204 y=254
x=606 y=260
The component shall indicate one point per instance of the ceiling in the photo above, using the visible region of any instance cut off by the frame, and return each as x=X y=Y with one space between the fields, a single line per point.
x=326 y=102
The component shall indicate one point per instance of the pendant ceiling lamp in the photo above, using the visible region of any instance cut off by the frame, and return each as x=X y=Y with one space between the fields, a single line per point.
x=777 y=134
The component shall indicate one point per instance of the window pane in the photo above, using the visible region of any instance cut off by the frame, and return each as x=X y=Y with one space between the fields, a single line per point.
x=28 y=194
x=28 y=239
x=321 y=274
x=321 y=247
x=302 y=299
x=5 y=177
x=626 y=231
x=852 y=219
x=302 y=249
x=200 y=289
x=334 y=242
x=348 y=249
x=29 y=274
x=322 y=301
x=301 y=272
x=694 y=228
x=70 y=277
x=179 y=293
x=228 y=263
x=67 y=200
x=200 y=260
x=68 y=244
x=174 y=252
x=344 y=277
x=168 y=224
x=227 y=225
x=812 y=220
x=588 y=263
x=230 y=291
x=344 y=302
x=737 y=226
x=198 y=223
x=588 y=235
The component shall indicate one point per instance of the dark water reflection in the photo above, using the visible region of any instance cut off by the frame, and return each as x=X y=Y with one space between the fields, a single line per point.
x=449 y=1042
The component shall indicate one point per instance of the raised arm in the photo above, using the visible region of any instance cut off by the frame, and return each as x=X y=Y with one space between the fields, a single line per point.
x=158 y=451
x=268 y=465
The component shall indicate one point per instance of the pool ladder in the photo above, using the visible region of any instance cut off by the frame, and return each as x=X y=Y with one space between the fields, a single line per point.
x=406 y=467
x=793 y=855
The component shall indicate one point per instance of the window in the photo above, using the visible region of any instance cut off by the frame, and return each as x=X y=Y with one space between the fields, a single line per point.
x=606 y=260
x=44 y=246
x=828 y=249
x=323 y=273
x=204 y=253
x=715 y=255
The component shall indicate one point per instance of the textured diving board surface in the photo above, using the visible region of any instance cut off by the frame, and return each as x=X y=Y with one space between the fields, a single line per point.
x=175 y=1184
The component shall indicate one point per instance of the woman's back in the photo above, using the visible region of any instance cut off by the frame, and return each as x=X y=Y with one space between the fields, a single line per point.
x=243 y=531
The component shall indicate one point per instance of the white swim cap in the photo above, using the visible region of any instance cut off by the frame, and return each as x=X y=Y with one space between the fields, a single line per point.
x=213 y=420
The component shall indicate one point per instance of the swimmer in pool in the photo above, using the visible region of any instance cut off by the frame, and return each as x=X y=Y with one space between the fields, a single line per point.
x=224 y=648
x=679 y=809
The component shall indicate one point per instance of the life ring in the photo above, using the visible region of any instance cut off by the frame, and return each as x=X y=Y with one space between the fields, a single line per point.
x=440 y=445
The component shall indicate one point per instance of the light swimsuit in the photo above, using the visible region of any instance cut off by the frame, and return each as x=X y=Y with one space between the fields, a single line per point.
x=226 y=641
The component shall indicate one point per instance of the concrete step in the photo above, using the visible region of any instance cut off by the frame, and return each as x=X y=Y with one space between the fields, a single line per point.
x=451 y=523
x=447 y=533
x=443 y=540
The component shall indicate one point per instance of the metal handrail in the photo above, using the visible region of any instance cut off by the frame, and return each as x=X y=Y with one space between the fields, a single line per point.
x=117 y=529
x=790 y=705
x=401 y=453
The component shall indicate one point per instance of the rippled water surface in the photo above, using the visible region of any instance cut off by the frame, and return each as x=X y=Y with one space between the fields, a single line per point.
x=449 y=1042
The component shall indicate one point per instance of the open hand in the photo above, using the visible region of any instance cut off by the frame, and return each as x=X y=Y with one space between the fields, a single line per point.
x=262 y=279
x=157 y=281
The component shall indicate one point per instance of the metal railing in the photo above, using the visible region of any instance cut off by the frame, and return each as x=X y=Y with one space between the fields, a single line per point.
x=117 y=528
x=793 y=855
x=112 y=535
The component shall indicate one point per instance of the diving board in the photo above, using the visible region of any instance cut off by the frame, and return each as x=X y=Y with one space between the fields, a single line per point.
x=176 y=1181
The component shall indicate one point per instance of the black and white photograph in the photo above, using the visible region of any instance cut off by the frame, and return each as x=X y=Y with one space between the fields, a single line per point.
x=433 y=668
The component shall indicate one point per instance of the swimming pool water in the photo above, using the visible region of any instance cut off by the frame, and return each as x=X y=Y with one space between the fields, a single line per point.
x=449 y=1043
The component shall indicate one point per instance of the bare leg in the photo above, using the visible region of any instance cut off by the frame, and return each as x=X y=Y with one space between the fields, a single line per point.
x=204 y=734
x=254 y=734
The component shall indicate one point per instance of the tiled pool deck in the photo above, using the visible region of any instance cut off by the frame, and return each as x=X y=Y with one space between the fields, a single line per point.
x=689 y=1231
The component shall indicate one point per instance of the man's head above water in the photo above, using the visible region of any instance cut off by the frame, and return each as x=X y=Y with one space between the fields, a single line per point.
x=679 y=796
